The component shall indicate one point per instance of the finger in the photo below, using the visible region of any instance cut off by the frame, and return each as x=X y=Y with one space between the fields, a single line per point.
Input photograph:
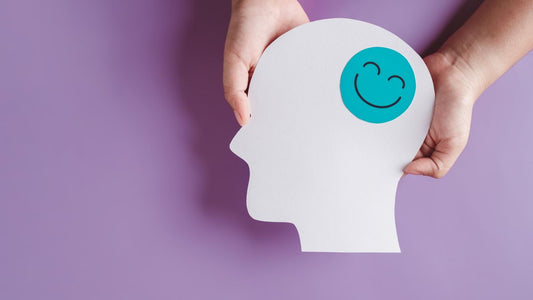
x=423 y=166
x=439 y=163
x=418 y=155
x=239 y=103
x=427 y=148
x=235 y=79
x=425 y=151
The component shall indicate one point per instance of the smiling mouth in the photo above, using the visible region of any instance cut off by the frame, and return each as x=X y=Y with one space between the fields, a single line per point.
x=370 y=103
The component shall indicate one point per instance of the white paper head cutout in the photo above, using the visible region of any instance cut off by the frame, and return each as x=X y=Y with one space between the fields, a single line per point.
x=339 y=108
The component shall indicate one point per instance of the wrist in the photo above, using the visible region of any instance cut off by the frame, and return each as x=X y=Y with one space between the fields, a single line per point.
x=477 y=56
x=464 y=64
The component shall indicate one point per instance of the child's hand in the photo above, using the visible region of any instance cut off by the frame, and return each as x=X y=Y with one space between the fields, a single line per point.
x=455 y=93
x=253 y=26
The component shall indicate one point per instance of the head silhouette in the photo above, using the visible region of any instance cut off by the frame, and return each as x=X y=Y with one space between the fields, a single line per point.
x=339 y=108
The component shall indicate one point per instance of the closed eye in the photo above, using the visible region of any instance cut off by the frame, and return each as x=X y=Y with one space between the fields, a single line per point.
x=396 y=76
x=372 y=63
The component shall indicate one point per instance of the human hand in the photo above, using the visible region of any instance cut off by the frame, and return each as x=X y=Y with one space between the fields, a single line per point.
x=495 y=37
x=456 y=90
x=254 y=24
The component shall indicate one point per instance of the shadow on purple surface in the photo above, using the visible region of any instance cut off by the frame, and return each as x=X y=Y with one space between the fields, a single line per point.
x=200 y=70
x=463 y=12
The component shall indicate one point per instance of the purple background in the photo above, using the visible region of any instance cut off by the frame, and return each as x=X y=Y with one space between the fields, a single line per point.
x=116 y=181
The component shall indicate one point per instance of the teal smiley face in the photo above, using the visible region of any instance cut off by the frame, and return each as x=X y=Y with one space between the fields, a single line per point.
x=377 y=85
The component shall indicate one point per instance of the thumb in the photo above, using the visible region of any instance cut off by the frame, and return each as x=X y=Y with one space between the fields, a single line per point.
x=235 y=80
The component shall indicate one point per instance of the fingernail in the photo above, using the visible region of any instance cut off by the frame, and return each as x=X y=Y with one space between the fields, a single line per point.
x=238 y=117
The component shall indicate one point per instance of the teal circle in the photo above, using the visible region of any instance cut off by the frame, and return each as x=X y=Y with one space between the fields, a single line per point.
x=377 y=85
